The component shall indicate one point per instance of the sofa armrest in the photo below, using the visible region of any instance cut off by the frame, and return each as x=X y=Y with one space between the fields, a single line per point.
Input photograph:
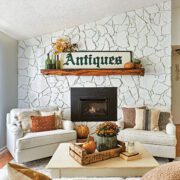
x=120 y=124
x=171 y=129
x=13 y=132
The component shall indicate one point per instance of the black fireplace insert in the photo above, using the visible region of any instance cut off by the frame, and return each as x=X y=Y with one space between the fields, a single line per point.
x=93 y=104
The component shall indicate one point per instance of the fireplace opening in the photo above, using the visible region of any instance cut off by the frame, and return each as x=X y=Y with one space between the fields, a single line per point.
x=93 y=107
x=93 y=104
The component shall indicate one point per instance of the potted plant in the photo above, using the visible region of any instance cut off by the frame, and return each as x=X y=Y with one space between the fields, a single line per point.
x=137 y=63
x=106 y=136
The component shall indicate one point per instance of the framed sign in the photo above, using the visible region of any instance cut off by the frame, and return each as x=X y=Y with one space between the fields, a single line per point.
x=95 y=59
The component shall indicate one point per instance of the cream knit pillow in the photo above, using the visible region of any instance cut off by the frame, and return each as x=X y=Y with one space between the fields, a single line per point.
x=140 y=119
x=58 y=117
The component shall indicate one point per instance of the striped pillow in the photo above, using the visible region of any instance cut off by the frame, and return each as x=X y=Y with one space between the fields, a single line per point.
x=152 y=120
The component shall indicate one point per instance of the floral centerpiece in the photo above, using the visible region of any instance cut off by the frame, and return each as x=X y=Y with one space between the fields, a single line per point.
x=106 y=136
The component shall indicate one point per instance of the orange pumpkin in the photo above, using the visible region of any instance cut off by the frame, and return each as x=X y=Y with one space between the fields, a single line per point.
x=90 y=147
x=82 y=131
x=129 y=65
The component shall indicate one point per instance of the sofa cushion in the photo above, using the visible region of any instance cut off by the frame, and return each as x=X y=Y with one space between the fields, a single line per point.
x=58 y=115
x=129 y=117
x=164 y=120
x=47 y=109
x=24 y=119
x=147 y=137
x=43 y=123
x=15 y=112
x=152 y=119
x=140 y=118
x=31 y=140
x=129 y=114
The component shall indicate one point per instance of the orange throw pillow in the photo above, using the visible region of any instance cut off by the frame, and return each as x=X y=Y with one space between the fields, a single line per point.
x=43 y=123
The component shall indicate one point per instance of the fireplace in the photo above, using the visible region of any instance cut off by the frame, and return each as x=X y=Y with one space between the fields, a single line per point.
x=93 y=104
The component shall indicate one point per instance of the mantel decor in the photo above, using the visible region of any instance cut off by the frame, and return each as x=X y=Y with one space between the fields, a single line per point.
x=67 y=60
x=72 y=58
x=95 y=59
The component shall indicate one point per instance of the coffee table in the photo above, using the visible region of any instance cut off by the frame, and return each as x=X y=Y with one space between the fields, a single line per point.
x=63 y=165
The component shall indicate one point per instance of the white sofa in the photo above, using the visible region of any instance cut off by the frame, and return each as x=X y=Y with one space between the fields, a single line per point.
x=159 y=143
x=32 y=146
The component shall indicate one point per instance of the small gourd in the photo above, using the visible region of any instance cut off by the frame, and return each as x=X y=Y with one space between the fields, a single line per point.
x=129 y=65
x=89 y=146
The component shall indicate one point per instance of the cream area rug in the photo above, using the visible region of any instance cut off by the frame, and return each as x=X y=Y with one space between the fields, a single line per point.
x=39 y=165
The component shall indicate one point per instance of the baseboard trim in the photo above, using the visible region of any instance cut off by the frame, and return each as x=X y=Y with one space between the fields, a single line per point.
x=2 y=149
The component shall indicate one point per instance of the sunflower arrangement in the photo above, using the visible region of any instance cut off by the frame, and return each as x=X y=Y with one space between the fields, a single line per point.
x=107 y=129
x=64 y=45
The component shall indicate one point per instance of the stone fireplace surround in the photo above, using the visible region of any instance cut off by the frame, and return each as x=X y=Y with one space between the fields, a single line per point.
x=146 y=32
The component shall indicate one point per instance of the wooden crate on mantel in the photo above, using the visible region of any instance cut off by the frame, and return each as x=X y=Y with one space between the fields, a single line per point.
x=79 y=154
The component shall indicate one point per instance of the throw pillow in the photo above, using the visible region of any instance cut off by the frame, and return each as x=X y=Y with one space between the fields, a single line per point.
x=59 y=124
x=47 y=109
x=164 y=120
x=129 y=115
x=17 y=172
x=152 y=120
x=140 y=119
x=43 y=123
x=24 y=119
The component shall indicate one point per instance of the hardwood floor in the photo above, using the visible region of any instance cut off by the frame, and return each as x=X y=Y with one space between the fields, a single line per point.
x=5 y=157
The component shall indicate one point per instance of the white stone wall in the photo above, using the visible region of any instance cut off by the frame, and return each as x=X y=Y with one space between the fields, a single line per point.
x=146 y=32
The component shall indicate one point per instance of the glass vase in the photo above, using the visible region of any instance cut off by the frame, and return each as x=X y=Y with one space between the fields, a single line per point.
x=105 y=143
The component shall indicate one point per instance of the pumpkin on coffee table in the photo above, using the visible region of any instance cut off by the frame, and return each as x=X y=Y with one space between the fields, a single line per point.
x=89 y=146
x=82 y=131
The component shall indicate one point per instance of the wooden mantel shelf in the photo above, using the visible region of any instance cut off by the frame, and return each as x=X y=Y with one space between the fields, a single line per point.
x=93 y=72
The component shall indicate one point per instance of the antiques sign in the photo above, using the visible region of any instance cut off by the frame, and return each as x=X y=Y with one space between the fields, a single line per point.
x=95 y=59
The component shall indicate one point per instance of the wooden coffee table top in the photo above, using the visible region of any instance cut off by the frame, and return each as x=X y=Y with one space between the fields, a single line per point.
x=62 y=160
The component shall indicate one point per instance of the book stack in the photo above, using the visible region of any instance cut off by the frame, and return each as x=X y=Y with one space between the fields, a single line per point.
x=130 y=156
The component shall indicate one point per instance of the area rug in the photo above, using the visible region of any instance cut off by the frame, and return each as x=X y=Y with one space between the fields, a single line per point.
x=39 y=165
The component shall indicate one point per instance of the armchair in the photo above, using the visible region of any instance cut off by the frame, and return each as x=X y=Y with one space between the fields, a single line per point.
x=30 y=146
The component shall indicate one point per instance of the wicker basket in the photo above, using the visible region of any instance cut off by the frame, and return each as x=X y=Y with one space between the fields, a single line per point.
x=79 y=154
